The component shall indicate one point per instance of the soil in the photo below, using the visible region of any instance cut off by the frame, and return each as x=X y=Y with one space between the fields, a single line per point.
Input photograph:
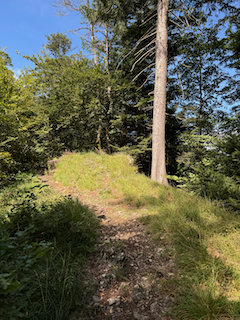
x=132 y=273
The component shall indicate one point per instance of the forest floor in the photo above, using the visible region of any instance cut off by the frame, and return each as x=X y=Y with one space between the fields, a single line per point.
x=131 y=273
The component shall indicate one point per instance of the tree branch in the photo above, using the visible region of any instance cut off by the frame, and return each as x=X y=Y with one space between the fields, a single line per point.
x=145 y=54
x=146 y=80
x=152 y=64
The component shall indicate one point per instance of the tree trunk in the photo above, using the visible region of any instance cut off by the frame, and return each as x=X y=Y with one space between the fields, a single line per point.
x=107 y=47
x=159 y=108
x=93 y=44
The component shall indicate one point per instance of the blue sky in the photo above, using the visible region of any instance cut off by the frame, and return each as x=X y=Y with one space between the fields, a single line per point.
x=24 y=24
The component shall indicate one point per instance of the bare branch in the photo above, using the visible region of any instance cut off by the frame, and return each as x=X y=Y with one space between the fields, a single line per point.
x=183 y=64
x=134 y=48
x=146 y=3
x=175 y=23
x=81 y=28
x=145 y=54
x=142 y=24
x=146 y=80
x=147 y=36
x=179 y=18
x=66 y=5
x=141 y=50
x=186 y=20
x=152 y=64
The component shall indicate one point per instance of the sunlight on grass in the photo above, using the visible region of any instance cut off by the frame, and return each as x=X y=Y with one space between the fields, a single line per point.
x=13 y=194
x=203 y=235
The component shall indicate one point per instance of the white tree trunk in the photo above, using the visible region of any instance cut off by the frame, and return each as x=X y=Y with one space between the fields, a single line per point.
x=159 y=108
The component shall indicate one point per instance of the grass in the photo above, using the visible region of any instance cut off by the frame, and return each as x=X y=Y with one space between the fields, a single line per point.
x=45 y=239
x=203 y=236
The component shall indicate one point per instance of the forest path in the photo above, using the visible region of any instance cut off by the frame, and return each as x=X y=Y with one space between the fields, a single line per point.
x=130 y=271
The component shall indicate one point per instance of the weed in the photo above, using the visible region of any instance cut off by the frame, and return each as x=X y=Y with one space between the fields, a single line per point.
x=43 y=245
x=202 y=302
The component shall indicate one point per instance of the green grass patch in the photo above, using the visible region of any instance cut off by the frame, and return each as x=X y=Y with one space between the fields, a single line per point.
x=203 y=236
x=44 y=241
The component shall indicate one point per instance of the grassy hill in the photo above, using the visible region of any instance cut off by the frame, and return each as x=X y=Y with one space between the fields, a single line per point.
x=203 y=237
x=58 y=233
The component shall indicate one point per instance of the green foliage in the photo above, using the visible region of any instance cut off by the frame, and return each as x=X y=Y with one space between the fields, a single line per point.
x=42 y=247
x=209 y=167
x=58 y=44
x=202 y=303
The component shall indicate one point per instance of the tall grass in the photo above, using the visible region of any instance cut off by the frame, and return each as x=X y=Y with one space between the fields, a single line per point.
x=204 y=237
x=44 y=241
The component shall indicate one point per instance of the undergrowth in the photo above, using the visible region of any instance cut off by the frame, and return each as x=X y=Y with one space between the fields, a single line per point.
x=44 y=241
x=204 y=236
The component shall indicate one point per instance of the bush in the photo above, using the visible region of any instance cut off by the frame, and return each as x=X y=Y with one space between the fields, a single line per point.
x=42 y=248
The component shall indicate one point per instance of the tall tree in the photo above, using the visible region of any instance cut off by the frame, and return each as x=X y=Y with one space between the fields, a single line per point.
x=58 y=44
x=159 y=107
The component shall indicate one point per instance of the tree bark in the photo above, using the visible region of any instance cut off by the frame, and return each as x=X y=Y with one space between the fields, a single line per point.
x=159 y=108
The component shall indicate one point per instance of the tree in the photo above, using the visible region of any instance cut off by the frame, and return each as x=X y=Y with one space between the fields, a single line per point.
x=58 y=44
x=159 y=107
x=158 y=146
x=202 y=79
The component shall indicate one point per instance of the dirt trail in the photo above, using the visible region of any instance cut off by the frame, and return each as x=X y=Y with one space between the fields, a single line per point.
x=131 y=272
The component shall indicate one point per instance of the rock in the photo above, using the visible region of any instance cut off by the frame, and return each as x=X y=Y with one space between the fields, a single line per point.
x=111 y=301
x=154 y=307
x=138 y=295
x=118 y=301
x=96 y=299
x=145 y=283
x=120 y=256
x=123 y=285
x=137 y=315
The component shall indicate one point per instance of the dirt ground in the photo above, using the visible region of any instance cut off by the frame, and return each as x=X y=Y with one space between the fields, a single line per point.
x=131 y=272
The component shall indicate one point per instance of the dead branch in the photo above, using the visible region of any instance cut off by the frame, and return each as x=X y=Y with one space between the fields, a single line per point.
x=179 y=18
x=175 y=23
x=146 y=21
x=146 y=80
x=141 y=50
x=145 y=54
x=152 y=64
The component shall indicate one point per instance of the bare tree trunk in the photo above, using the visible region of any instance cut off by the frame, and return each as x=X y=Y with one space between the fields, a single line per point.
x=99 y=131
x=93 y=38
x=107 y=47
x=93 y=44
x=158 y=141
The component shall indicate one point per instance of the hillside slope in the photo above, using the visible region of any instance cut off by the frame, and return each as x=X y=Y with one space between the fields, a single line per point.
x=191 y=261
